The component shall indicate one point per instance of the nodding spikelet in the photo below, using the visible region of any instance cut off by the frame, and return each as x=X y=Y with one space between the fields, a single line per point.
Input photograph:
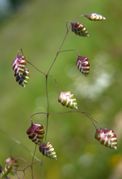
x=67 y=99
x=36 y=133
x=47 y=150
x=21 y=72
x=95 y=17
x=11 y=166
x=107 y=138
x=83 y=64
x=79 y=29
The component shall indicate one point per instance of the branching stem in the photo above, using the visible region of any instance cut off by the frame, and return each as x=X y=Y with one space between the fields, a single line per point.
x=47 y=75
x=59 y=49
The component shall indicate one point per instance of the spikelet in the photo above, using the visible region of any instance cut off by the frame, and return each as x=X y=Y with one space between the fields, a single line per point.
x=79 y=29
x=36 y=133
x=95 y=17
x=67 y=99
x=83 y=65
x=47 y=150
x=107 y=138
x=11 y=165
x=21 y=72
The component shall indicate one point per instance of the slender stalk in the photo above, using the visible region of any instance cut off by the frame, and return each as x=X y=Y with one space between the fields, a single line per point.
x=17 y=176
x=37 y=113
x=33 y=155
x=47 y=103
x=37 y=69
x=89 y=117
x=32 y=175
x=21 y=52
x=59 y=49
x=81 y=112
x=67 y=50
x=23 y=175
x=47 y=75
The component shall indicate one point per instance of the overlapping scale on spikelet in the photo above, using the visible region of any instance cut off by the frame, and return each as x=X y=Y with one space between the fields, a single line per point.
x=21 y=72
x=95 y=17
x=107 y=138
x=67 y=99
x=83 y=65
x=79 y=29
x=36 y=133
x=48 y=150
x=22 y=79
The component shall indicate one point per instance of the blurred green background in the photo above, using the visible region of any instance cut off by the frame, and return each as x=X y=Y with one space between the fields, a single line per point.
x=38 y=28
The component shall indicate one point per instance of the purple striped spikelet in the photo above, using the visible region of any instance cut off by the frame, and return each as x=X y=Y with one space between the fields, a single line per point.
x=83 y=65
x=79 y=29
x=95 y=17
x=107 y=138
x=47 y=150
x=21 y=72
x=36 y=133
